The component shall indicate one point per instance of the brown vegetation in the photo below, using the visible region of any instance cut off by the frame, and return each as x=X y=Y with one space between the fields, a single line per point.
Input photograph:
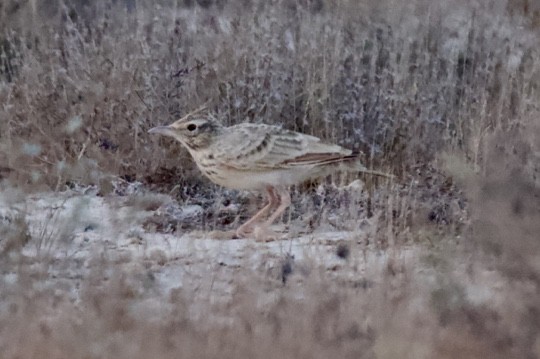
x=443 y=94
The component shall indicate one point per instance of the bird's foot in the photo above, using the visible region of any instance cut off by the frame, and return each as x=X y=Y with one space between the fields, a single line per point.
x=218 y=234
x=265 y=234
x=244 y=232
x=261 y=233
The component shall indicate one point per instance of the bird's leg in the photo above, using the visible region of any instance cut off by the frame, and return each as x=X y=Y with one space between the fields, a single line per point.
x=262 y=232
x=247 y=227
x=272 y=196
x=284 y=202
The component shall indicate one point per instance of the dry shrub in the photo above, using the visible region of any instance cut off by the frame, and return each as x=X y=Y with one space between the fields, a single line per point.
x=82 y=86
x=502 y=239
x=401 y=81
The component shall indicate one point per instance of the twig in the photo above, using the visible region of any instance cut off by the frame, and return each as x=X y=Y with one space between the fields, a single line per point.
x=140 y=98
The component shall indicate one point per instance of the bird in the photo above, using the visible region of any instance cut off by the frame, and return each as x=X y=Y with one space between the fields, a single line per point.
x=258 y=157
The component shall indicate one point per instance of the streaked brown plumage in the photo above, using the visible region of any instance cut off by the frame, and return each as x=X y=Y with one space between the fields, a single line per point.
x=258 y=157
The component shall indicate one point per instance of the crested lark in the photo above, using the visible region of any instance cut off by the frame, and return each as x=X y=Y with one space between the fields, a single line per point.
x=258 y=157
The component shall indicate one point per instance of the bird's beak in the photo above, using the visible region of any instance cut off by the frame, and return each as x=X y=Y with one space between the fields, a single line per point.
x=162 y=130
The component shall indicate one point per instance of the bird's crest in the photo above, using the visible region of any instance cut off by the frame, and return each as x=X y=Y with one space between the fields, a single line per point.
x=199 y=110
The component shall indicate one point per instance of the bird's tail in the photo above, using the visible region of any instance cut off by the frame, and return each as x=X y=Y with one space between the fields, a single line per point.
x=352 y=163
x=326 y=163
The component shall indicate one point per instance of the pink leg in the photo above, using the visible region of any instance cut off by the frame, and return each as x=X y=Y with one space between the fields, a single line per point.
x=247 y=227
x=262 y=232
x=284 y=202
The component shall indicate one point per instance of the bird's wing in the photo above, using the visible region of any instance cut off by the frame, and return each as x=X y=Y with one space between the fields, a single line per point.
x=258 y=146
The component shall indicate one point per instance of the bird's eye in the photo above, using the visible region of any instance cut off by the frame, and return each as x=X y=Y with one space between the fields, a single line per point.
x=192 y=127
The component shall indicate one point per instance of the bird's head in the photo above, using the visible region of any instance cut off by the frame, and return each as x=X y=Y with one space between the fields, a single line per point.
x=194 y=132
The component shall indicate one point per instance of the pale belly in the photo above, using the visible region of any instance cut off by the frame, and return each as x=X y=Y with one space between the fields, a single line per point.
x=258 y=180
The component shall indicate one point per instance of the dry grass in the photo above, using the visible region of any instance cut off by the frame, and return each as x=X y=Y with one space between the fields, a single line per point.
x=444 y=94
